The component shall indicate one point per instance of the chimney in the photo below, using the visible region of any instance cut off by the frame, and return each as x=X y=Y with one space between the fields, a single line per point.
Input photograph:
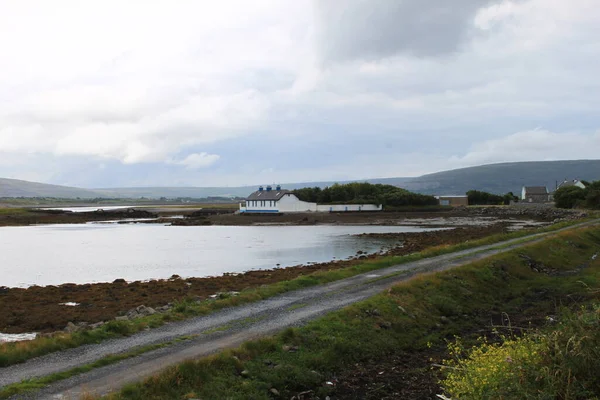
x=260 y=189
x=278 y=188
x=269 y=188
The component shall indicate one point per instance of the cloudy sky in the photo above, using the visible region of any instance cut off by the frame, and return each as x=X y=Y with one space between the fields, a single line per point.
x=231 y=92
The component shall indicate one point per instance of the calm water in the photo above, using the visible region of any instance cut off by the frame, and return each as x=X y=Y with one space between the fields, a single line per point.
x=55 y=254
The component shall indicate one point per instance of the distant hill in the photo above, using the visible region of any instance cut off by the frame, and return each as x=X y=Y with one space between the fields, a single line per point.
x=505 y=177
x=18 y=188
x=494 y=178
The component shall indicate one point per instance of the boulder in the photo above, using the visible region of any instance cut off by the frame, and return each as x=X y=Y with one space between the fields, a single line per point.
x=97 y=325
x=122 y=318
x=145 y=311
x=71 y=328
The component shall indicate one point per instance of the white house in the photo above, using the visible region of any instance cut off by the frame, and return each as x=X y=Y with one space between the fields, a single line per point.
x=269 y=200
x=574 y=182
x=535 y=194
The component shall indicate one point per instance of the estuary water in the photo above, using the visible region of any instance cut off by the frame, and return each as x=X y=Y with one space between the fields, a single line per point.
x=87 y=253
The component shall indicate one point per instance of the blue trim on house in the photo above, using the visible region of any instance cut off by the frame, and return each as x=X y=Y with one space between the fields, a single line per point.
x=261 y=211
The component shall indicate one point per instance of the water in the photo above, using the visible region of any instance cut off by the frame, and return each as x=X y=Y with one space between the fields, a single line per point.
x=56 y=254
x=18 y=337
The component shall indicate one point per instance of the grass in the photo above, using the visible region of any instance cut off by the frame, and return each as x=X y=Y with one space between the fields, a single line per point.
x=13 y=211
x=404 y=319
x=31 y=385
x=13 y=353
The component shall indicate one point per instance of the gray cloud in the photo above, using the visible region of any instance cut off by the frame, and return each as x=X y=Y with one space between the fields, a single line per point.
x=373 y=29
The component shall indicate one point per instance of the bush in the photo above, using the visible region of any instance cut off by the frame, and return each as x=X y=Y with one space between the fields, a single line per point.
x=478 y=198
x=562 y=363
x=573 y=196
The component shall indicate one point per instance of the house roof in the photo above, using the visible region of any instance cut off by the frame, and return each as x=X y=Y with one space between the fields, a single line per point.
x=569 y=183
x=268 y=195
x=533 y=190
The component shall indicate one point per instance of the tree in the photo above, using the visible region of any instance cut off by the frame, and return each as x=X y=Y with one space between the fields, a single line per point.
x=569 y=197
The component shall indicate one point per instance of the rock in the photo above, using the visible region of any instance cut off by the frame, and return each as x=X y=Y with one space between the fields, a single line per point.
x=82 y=326
x=274 y=392
x=289 y=349
x=122 y=318
x=385 y=325
x=132 y=314
x=71 y=328
x=402 y=309
x=444 y=319
x=97 y=325
x=375 y=312
x=145 y=311
x=245 y=373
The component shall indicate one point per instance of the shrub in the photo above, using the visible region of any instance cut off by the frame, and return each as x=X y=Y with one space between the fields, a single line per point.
x=561 y=363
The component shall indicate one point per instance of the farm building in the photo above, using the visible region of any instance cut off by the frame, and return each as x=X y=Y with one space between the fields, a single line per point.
x=452 y=200
x=268 y=200
x=535 y=194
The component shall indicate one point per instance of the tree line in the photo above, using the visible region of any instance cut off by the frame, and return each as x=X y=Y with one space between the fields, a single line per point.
x=364 y=193
x=479 y=198
x=576 y=197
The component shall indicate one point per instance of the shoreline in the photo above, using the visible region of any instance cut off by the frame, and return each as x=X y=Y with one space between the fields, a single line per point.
x=223 y=216
x=39 y=309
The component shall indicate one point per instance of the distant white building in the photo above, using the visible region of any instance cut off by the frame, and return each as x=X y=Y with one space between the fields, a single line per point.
x=535 y=194
x=574 y=182
x=268 y=200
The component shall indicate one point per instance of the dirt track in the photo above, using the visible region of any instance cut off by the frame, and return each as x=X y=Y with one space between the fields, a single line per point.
x=269 y=316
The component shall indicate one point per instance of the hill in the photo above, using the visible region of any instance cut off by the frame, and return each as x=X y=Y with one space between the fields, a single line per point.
x=505 y=177
x=19 y=188
x=494 y=178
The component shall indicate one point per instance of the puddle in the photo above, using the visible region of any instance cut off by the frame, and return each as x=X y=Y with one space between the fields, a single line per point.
x=6 y=337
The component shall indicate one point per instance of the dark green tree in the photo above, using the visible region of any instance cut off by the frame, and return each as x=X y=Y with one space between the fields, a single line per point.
x=569 y=197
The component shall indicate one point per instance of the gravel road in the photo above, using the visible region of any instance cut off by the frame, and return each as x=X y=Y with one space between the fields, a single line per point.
x=229 y=327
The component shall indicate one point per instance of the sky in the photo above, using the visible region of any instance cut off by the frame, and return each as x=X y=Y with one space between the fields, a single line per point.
x=235 y=92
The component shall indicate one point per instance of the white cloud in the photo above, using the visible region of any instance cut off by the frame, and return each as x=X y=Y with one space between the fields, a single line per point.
x=200 y=77
x=537 y=144
x=199 y=160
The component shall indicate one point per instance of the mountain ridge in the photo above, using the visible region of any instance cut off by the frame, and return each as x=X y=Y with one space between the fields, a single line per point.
x=497 y=178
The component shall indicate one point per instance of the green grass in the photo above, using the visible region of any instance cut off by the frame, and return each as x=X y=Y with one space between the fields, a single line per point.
x=410 y=312
x=13 y=353
x=13 y=211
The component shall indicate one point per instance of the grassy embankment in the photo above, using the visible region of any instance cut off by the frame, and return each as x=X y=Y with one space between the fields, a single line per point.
x=13 y=353
x=526 y=284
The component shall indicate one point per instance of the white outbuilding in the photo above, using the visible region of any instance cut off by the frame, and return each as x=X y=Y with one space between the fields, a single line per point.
x=270 y=201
